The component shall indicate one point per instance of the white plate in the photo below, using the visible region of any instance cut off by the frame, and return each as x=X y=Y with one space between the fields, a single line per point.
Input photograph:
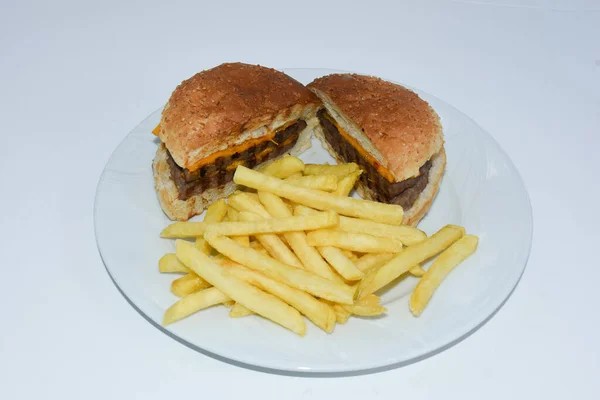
x=481 y=190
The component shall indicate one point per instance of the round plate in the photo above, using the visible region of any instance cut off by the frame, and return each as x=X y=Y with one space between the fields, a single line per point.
x=481 y=191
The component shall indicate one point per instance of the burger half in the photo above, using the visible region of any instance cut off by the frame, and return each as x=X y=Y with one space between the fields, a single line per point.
x=234 y=114
x=394 y=135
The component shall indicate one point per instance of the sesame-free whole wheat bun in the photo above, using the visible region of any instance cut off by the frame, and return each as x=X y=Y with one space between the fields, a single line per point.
x=233 y=114
x=390 y=131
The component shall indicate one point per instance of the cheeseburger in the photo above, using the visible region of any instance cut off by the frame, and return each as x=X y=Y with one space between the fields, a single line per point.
x=394 y=135
x=234 y=114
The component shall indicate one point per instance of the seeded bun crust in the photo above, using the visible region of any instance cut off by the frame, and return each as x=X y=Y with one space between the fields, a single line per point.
x=390 y=121
x=228 y=105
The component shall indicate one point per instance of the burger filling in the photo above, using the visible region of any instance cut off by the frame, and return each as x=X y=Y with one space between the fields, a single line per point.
x=403 y=193
x=221 y=170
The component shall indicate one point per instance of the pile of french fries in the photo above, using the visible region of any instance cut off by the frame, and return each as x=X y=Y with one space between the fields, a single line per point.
x=293 y=244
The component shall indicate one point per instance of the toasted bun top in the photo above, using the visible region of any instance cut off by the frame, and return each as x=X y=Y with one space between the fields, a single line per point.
x=402 y=127
x=209 y=111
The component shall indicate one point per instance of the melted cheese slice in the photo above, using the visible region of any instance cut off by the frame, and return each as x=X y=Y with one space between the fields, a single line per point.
x=233 y=149
x=383 y=171
x=230 y=151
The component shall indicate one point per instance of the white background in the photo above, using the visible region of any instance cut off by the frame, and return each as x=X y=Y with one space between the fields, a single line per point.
x=76 y=78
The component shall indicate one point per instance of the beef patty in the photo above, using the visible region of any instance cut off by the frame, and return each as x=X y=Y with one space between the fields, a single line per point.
x=403 y=193
x=218 y=173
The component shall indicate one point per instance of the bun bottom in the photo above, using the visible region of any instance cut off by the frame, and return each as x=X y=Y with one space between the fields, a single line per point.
x=182 y=210
x=413 y=215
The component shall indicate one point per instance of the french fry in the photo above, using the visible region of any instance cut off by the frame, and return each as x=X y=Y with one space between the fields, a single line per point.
x=366 y=282
x=214 y=213
x=274 y=245
x=367 y=307
x=342 y=264
x=439 y=270
x=371 y=260
x=318 y=312
x=360 y=242
x=259 y=247
x=417 y=271
x=327 y=183
x=238 y=310
x=366 y=209
x=341 y=314
x=370 y=300
x=244 y=201
x=283 y=167
x=411 y=256
x=188 y=284
x=347 y=183
x=289 y=205
x=309 y=256
x=274 y=225
x=170 y=263
x=233 y=215
x=404 y=233
x=365 y=310
x=294 y=277
x=252 y=196
x=219 y=258
x=179 y=230
x=351 y=256
x=244 y=240
x=295 y=175
x=193 y=303
x=247 y=295
x=339 y=170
